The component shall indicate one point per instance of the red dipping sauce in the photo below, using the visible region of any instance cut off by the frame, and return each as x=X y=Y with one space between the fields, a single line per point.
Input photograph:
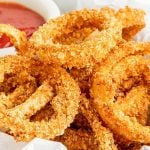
x=20 y=17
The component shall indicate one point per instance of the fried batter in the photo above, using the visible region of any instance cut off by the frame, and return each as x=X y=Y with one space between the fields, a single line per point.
x=132 y=20
x=43 y=44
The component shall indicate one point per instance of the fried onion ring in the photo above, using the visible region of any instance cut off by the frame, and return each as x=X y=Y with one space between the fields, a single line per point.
x=102 y=134
x=132 y=21
x=17 y=37
x=45 y=46
x=111 y=77
x=52 y=88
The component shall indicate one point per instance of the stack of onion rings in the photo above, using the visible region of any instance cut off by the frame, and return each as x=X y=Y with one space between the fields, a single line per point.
x=87 y=51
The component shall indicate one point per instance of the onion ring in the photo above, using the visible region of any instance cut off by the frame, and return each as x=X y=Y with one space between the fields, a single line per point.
x=53 y=89
x=132 y=21
x=43 y=44
x=108 y=78
x=102 y=135
x=17 y=37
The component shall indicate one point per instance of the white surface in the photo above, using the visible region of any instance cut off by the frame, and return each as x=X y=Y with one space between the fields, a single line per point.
x=7 y=142
x=6 y=51
x=46 y=8
x=145 y=148
x=40 y=144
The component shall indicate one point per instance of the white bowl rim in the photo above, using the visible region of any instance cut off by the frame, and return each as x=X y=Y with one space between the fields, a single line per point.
x=53 y=12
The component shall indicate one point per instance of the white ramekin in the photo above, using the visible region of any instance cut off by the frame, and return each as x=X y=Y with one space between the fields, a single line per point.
x=46 y=8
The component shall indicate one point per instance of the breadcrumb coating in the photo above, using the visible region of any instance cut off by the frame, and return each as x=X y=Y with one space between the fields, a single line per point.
x=62 y=94
x=80 y=139
x=17 y=37
x=102 y=134
x=43 y=43
x=132 y=20
x=38 y=98
x=106 y=81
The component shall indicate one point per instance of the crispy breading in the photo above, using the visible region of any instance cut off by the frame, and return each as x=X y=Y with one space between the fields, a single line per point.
x=44 y=46
x=132 y=20
x=108 y=79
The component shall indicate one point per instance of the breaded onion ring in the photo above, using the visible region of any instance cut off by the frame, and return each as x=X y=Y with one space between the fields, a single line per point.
x=53 y=88
x=132 y=20
x=128 y=69
x=45 y=43
x=17 y=37
x=102 y=134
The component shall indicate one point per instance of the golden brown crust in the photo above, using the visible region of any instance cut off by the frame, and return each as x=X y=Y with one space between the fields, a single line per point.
x=108 y=79
x=102 y=135
x=132 y=20
x=44 y=46
x=40 y=99
x=80 y=139
x=17 y=37
x=61 y=93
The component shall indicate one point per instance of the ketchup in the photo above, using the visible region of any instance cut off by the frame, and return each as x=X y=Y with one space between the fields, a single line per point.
x=20 y=17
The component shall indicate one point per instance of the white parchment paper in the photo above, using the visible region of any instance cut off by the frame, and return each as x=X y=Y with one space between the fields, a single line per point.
x=7 y=142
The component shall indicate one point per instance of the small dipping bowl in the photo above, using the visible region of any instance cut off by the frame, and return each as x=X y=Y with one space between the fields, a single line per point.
x=46 y=8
